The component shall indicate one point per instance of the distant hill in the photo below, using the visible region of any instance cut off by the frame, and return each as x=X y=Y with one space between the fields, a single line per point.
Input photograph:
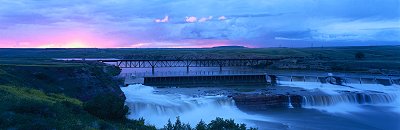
x=229 y=47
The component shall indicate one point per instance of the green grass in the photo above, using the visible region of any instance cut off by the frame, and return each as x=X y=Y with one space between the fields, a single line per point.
x=27 y=93
x=26 y=108
x=81 y=80
x=372 y=52
x=37 y=62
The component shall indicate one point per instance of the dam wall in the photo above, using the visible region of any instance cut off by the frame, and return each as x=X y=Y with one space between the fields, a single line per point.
x=253 y=79
x=337 y=80
x=206 y=80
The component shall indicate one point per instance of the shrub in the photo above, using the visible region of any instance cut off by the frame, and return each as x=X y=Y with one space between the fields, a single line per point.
x=35 y=108
x=107 y=106
x=113 y=70
x=359 y=55
x=137 y=125
x=217 y=124
x=177 y=126
x=169 y=125
x=41 y=76
x=221 y=124
x=201 y=126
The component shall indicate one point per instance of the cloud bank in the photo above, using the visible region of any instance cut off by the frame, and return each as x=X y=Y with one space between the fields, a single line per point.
x=198 y=23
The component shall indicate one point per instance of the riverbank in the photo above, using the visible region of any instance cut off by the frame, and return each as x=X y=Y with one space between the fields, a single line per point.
x=60 y=95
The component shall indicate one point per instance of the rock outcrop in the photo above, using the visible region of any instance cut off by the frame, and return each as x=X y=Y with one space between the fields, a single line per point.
x=266 y=101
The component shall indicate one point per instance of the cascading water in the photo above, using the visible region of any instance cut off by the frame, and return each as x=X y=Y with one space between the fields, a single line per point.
x=157 y=109
x=346 y=97
x=353 y=98
x=290 y=103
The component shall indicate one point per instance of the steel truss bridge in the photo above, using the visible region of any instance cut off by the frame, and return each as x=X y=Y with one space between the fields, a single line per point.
x=127 y=63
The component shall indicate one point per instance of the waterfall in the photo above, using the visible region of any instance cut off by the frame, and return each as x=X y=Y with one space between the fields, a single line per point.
x=290 y=103
x=352 y=98
x=157 y=109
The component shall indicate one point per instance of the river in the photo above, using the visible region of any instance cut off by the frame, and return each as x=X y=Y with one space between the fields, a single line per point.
x=157 y=105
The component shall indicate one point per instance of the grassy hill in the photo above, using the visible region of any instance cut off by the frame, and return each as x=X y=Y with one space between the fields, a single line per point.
x=45 y=94
x=77 y=80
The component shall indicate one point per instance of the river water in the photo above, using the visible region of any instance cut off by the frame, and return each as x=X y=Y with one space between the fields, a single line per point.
x=378 y=106
x=375 y=111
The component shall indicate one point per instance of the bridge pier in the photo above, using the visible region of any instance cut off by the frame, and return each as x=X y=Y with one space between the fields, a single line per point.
x=187 y=69
x=291 y=78
x=152 y=70
x=274 y=79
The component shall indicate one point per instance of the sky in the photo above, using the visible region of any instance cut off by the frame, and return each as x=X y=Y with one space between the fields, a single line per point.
x=197 y=23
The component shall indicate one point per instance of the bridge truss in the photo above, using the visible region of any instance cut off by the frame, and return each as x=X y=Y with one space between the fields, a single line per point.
x=188 y=63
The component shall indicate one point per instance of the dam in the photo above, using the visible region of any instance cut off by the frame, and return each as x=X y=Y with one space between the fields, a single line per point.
x=206 y=80
x=227 y=78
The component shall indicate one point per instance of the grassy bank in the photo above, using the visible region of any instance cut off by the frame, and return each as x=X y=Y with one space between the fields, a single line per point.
x=26 y=108
x=77 y=80
x=46 y=94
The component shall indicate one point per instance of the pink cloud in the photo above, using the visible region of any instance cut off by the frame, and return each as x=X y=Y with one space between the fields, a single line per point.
x=204 y=19
x=191 y=19
x=222 y=18
x=193 y=43
x=164 y=20
x=76 y=38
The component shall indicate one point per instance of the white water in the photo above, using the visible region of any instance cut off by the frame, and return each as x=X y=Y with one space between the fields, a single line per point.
x=157 y=109
x=290 y=103
x=336 y=102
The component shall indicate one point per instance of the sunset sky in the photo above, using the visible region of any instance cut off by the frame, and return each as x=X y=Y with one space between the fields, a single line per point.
x=197 y=23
